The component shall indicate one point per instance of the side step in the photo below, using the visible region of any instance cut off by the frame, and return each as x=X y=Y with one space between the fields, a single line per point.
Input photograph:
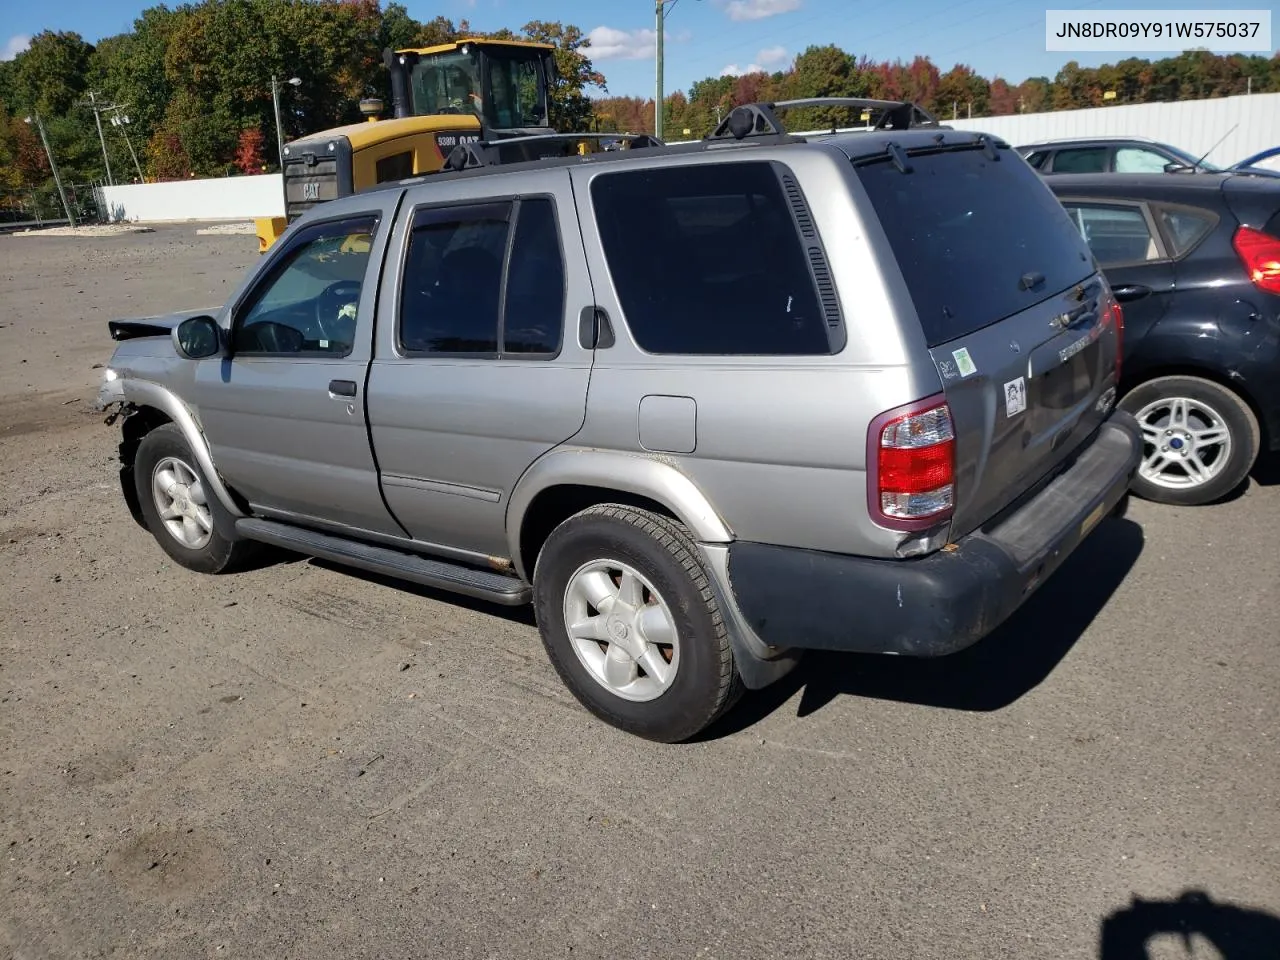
x=441 y=574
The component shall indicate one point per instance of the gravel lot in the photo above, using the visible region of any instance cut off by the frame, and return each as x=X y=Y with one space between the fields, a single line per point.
x=302 y=762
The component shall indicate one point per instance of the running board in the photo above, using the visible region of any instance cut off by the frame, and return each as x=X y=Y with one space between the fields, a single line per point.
x=441 y=574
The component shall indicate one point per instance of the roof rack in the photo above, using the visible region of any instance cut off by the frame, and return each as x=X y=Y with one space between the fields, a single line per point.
x=502 y=150
x=761 y=119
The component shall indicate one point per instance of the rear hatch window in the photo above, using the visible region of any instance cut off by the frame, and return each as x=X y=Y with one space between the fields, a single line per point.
x=977 y=239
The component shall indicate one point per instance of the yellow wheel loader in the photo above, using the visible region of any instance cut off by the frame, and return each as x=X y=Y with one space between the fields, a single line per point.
x=442 y=97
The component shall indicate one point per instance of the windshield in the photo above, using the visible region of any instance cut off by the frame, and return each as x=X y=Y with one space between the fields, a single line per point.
x=446 y=83
x=452 y=83
x=1193 y=161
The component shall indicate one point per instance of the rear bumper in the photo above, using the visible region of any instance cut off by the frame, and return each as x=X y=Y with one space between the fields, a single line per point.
x=944 y=602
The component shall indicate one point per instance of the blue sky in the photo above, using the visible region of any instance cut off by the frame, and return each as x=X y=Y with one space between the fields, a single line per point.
x=708 y=37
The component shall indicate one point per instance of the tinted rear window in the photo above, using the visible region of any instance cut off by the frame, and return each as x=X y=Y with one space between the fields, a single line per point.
x=965 y=231
x=706 y=259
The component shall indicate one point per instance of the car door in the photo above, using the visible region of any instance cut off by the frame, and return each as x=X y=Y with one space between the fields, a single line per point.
x=478 y=370
x=1133 y=256
x=284 y=413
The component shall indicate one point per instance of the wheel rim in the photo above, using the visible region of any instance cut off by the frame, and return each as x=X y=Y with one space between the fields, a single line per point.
x=1186 y=443
x=180 y=502
x=622 y=630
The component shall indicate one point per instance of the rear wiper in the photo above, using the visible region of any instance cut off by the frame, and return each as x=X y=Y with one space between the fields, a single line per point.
x=1029 y=280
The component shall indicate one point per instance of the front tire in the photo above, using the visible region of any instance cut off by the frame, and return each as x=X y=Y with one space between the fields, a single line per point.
x=631 y=625
x=1200 y=440
x=177 y=508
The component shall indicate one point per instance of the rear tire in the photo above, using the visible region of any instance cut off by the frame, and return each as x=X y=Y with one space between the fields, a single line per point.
x=1200 y=440
x=653 y=659
x=179 y=510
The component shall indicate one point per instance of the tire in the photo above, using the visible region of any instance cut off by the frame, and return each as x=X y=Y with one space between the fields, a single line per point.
x=163 y=450
x=1175 y=414
x=697 y=680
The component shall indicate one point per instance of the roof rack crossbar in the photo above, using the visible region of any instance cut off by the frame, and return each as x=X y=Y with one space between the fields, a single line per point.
x=761 y=119
x=486 y=153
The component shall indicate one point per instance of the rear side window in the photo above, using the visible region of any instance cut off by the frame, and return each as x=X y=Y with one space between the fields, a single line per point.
x=976 y=239
x=1185 y=226
x=1084 y=160
x=470 y=287
x=706 y=259
x=1116 y=233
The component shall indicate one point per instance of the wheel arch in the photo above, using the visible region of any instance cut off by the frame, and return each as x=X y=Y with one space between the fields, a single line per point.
x=159 y=405
x=565 y=482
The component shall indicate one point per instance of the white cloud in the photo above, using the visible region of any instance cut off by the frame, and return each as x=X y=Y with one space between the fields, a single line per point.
x=772 y=55
x=608 y=43
x=759 y=9
x=14 y=46
x=769 y=56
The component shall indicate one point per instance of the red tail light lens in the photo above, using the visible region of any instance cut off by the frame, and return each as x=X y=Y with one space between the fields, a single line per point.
x=911 y=455
x=1113 y=314
x=1260 y=254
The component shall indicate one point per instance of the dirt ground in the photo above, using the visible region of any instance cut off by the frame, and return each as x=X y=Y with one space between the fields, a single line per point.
x=302 y=762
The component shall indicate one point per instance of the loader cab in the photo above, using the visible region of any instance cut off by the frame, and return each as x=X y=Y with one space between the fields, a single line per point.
x=504 y=84
x=442 y=96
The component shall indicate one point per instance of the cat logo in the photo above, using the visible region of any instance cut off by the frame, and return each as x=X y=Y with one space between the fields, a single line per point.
x=311 y=191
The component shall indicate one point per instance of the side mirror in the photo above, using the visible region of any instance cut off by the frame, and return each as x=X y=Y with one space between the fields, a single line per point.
x=198 y=338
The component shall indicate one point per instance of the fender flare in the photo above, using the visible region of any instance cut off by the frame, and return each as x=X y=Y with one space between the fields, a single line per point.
x=148 y=394
x=632 y=473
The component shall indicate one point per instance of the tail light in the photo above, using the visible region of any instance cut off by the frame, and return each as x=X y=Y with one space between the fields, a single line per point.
x=1260 y=254
x=1113 y=315
x=911 y=465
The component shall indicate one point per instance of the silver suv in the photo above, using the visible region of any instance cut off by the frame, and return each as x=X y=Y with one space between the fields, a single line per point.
x=704 y=405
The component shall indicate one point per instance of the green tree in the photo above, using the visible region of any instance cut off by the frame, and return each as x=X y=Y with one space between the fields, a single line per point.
x=50 y=74
x=570 y=104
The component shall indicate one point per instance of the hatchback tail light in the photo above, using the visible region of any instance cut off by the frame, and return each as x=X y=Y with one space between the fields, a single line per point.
x=1260 y=254
x=911 y=465
x=1113 y=315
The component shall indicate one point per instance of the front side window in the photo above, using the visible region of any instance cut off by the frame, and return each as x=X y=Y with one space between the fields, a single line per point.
x=462 y=293
x=515 y=89
x=1116 y=234
x=1137 y=160
x=308 y=303
x=706 y=259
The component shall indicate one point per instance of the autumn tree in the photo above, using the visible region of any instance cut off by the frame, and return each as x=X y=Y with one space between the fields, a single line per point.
x=248 y=156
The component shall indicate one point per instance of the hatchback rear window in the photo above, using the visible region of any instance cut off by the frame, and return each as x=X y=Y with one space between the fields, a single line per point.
x=977 y=240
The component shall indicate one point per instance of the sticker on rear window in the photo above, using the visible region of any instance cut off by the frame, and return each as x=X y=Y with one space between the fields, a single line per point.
x=1015 y=397
x=964 y=363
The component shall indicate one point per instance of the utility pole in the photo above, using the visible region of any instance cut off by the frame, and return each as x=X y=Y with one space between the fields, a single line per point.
x=660 y=16
x=54 y=167
x=97 y=118
x=122 y=123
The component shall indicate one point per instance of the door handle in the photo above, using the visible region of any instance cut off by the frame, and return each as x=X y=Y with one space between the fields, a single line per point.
x=1130 y=291
x=342 y=388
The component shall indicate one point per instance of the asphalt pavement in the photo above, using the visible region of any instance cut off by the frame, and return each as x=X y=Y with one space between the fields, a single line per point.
x=298 y=761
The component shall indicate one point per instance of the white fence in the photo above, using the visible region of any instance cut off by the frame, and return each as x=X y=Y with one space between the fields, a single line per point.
x=1244 y=124
x=223 y=198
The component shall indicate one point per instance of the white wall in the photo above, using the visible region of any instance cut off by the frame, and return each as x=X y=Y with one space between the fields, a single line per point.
x=1194 y=125
x=223 y=198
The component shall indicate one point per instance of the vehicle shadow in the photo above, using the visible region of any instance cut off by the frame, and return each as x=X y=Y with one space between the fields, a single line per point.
x=993 y=673
x=1266 y=472
x=1236 y=932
